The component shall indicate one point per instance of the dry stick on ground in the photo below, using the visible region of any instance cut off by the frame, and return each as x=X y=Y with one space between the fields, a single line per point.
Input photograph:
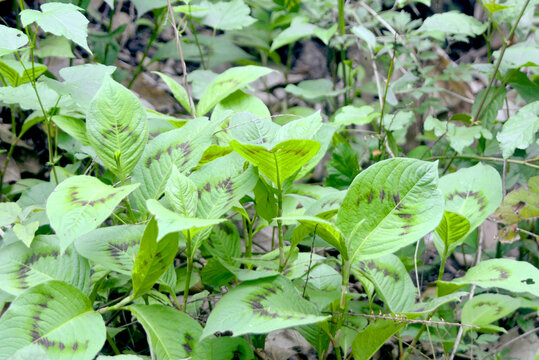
x=182 y=60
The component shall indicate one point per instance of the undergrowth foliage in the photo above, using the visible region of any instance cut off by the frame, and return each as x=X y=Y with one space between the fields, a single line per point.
x=355 y=207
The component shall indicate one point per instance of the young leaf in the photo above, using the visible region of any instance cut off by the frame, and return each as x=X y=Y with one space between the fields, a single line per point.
x=228 y=82
x=58 y=318
x=16 y=74
x=281 y=162
x=9 y=213
x=484 y=309
x=323 y=228
x=25 y=231
x=182 y=147
x=298 y=29
x=117 y=127
x=153 y=258
x=226 y=15
x=182 y=193
x=22 y=267
x=343 y=166
x=11 y=39
x=511 y=275
x=112 y=247
x=60 y=19
x=179 y=92
x=261 y=306
x=390 y=205
x=452 y=23
x=520 y=130
x=80 y=204
x=452 y=228
x=368 y=341
x=171 y=334
x=391 y=280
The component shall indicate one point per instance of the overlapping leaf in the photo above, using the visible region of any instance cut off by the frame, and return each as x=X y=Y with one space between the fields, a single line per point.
x=484 y=309
x=11 y=39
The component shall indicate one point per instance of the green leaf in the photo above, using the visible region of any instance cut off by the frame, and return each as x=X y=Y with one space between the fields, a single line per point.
x=495 y=98
x=391 y=281
x=113 y=247
x=54 y=46
x=343 y=166
x=171 y=334
x=529 y=90
x=390 y=205
x=313 y=90
x=11 y=39
x=25 y=231
x=452 y=228
x=223 y=348
x=520 y=130
x=153 y=258
x=228 y=82
x=57 y=317
x=9 y=213
x=323 y=228
x=23 y=267
x=281 y=162
x=473 y=193
x=73 y=126
x=143 y=6
x=486 y=308
x=460 y=137
x=511 y=275
x=60 y=19
x=221 y=183
x=299 y=29
x=368 y=341
x=259 y=307
x=178 y=91
x=16 y=74
x=518 y=56
x=242 y=102
x=181 y=147
x=226 y=15
x=117 y=127
x=80 y=204
x=452 y=23
x=170 y=222
x=182 y=193
x=353 y=115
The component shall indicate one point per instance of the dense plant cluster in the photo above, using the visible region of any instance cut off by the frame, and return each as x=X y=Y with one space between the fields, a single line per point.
x=359 y=176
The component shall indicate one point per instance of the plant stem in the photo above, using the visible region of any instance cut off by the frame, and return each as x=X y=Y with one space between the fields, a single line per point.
x=487 y=158
x=345 y=273
x=188 y=252
x=282 y=262
x=498 y=62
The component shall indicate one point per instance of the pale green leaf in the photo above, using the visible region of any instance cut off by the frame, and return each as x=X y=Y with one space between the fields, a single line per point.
x=11 y=39
x=25 y=97
x=452 y=23
x=153 y=258
x=73 y=126
x=9 y=213
x=518 y=56
x=16 y=74
x=54 y=46
x=182 y=193
x=226 y=15
x=240 y=101
x=179 y=92
x=313 y=90
x=520 y=130
x=452 y=228
x=227 y=83
x=22 y=267
x=143 y=6
x=368 y=341
x=113 y=247
x=249 y=128
x=390 y=205
x=281 y=162
x=484 y=309
x=57 y=317
x=80 y=204
x=171 y=334
x=353 y=115
x=117 y=127
x=60 y=19
x=25 y=231
x=366 y=35
x=298 y=29
x=259 y=307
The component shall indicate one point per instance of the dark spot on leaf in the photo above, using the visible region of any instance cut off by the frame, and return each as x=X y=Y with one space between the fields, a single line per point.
x=207 y=187
x=35 y=335
x=148 y=162
x=404 y=233
x=61 y=346
x=158 y=155
x=43 y=305
x=482 y=208
x=371 y=195
x=503 y=273
x=125 y=128
x=382 y=195
x=188 y=337
x=187 y=348
x=75 y=346
x=528 y=281
x=397 y=198
x=405 y=216
x=46 y=342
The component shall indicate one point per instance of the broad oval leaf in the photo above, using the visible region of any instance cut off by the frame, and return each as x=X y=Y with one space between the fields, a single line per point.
x=520 y=130
x=113 y=247
x=452 y=228
x=226 y=15
x=281 y=162
x=153 y=258
x=57 y=317
x=259 y=307
x=226 y=83
x=117 y=127
x=390 y=205
x=11 y=39
x=80 y=204
x=171 y=334
x=484 y=309
x=22 y=267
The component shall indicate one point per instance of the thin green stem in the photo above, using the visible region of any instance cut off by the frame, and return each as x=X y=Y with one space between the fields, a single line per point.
x=487 y=158
x=188 y=253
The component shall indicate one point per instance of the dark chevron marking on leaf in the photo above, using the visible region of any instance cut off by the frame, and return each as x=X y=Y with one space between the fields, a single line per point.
x=491 y=304
x=371 y=196
x=396 y=198
x=372 y=266
x=256 y=303
x=504 y=274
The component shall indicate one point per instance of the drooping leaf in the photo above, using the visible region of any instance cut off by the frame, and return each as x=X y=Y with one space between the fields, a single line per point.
x=518 y=56
x=182 y=147
x=73 y=126
x=391 y=280
x=298 y=29
x=117 y=127
x=521 y=204
x=112 y=247
x=179 y=92
x=11 y=39
x=511 y=275
x=390 y=205
x=368 y=341
x=313 y=90
x=223 y=348
x=228 y=82
x=281 y=162
x=241 y=101
x=171 y=334
x=182 y=193
x=54 y=46
x=452 y=228
x=352 y=115
x=520 y=130
x=261 y=306
x=80 y=204
x=484 y=309
x=452 y=23
x=473 y=193
x=55 y=316
x=23 y=267
x=323 y=228
x=226 y=15
x=153 y=258
x=60 y=19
